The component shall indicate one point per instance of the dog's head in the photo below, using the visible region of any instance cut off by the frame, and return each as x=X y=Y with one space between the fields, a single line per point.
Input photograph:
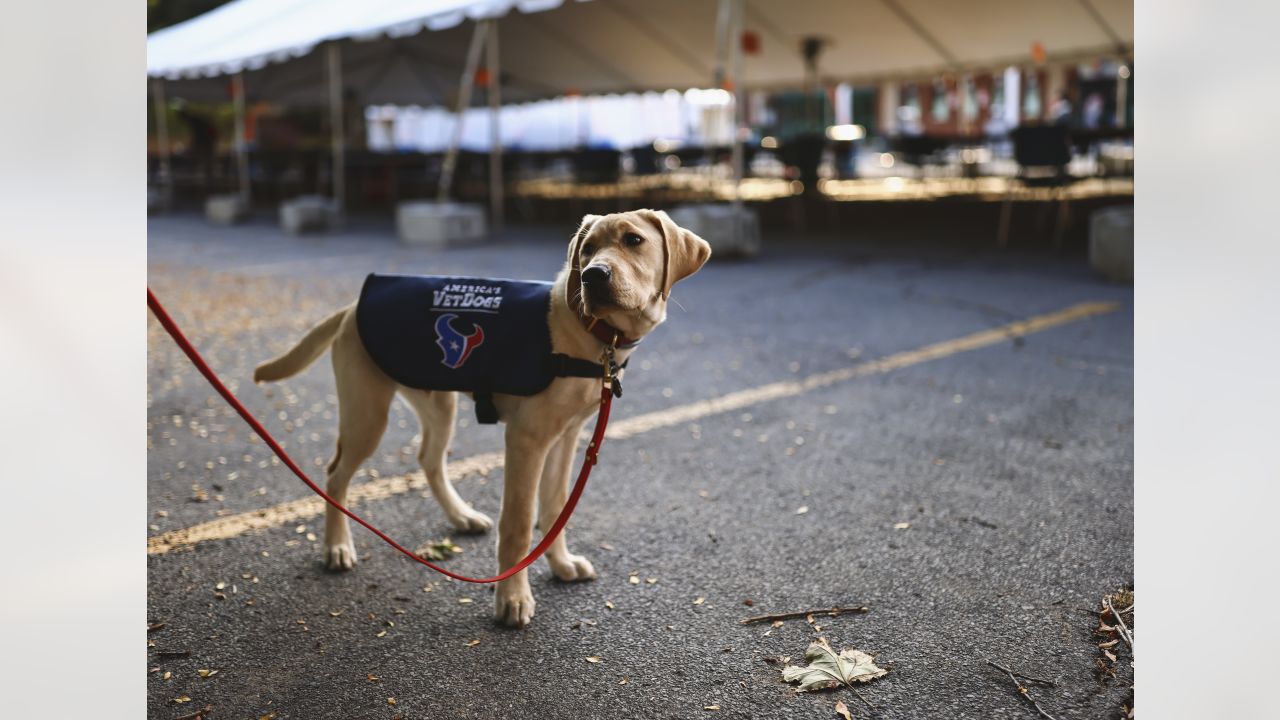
x=622 y=267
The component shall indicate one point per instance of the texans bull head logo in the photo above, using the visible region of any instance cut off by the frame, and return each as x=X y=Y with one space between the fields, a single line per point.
x=456 y=346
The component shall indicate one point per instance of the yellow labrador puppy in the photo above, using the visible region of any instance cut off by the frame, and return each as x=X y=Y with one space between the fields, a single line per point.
x=615 y=284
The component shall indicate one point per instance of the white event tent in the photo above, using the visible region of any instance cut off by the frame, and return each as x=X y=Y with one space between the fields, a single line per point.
x=415 y=51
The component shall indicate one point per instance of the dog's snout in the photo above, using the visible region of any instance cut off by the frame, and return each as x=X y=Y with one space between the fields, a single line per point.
x=596 y=275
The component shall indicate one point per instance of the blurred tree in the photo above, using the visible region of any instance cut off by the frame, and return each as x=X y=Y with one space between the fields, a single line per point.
x=163 y=13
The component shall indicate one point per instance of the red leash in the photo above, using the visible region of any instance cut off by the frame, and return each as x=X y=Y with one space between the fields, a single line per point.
x=597 y=439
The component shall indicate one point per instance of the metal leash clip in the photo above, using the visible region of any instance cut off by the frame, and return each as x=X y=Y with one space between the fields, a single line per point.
x=610 y=365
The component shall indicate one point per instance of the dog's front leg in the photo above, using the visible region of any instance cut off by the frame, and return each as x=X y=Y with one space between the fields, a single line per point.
x=552 y=492
x=525 y=456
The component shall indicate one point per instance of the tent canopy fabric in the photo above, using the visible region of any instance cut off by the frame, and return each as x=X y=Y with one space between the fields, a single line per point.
x=411 y=51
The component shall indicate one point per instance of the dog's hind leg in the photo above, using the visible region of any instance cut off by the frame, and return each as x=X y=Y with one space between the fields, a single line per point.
x=436 y=412
x=364 y=398
x=553 y=489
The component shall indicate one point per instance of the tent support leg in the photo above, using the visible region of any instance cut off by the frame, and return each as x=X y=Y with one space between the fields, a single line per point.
x=337 y=128
x=739 y=113
x=162 y=141
x=242 y=149
x=464 y=101
x=496 y=186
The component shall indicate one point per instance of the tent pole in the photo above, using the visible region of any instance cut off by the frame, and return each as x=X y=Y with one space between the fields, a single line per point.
x=464 y=101
x=1122 y=95
x=723 y=22
x=495 y=130
x=242 y=151
x=336 y=127
x=724 y=29
x=739 y=113
x=162 y=140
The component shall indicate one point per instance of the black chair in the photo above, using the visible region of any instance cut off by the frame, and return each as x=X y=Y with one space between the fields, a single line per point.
x=1042 y=153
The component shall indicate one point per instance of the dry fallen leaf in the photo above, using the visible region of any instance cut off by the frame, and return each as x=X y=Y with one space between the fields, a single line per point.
x=439 y=550
x=699 y=601
x=473 y=643
x=206 y=673
x=593 y=659
x=711 y=707
x=843 y=710
x=802 y=509
x=901 y=525
x=826 y=669
x=465 y=601
x=608 y=604
x=634 y=580
x=183 y=699
x=391 y=701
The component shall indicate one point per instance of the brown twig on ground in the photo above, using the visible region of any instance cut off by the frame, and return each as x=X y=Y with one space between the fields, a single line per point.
x=154 y=627
x=197 y=715
x=1022 y=690
x=1124 y=629
x=828 y=612
x=1042 y=681
x=172 y=654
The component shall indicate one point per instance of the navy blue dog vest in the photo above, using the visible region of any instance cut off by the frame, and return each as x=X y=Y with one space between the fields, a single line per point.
x=464 y=334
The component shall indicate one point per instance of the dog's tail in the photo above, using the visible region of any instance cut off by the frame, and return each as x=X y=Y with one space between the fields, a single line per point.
x=308 y=350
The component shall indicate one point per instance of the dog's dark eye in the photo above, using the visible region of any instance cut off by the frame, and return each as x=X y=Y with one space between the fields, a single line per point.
x=632 y=239
x=588 y=250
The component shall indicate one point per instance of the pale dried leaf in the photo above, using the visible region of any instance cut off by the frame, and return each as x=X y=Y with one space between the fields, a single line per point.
x=843 y=710
x=827 y=669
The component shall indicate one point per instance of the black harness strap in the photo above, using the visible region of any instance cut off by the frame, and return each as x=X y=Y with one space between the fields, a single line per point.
x=562 y=366
x=486 y=411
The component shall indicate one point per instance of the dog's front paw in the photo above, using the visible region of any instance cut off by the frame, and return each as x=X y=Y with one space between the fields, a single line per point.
x=341 y=556
x=470 y=521
x=513 y=606
x=570 y=568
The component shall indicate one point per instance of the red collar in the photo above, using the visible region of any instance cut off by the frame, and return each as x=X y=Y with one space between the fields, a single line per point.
x=606 y=333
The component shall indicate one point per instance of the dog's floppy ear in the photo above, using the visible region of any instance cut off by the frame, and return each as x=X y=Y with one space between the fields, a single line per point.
x=683 y=253
x=574 y=288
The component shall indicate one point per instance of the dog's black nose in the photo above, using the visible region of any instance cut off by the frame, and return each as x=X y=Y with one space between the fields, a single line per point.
x=596 y=275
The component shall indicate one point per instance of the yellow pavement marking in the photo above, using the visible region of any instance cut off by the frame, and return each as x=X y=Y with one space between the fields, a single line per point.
x=235 y=525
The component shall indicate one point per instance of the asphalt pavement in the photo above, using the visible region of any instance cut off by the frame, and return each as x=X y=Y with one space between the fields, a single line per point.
x=978 y=501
